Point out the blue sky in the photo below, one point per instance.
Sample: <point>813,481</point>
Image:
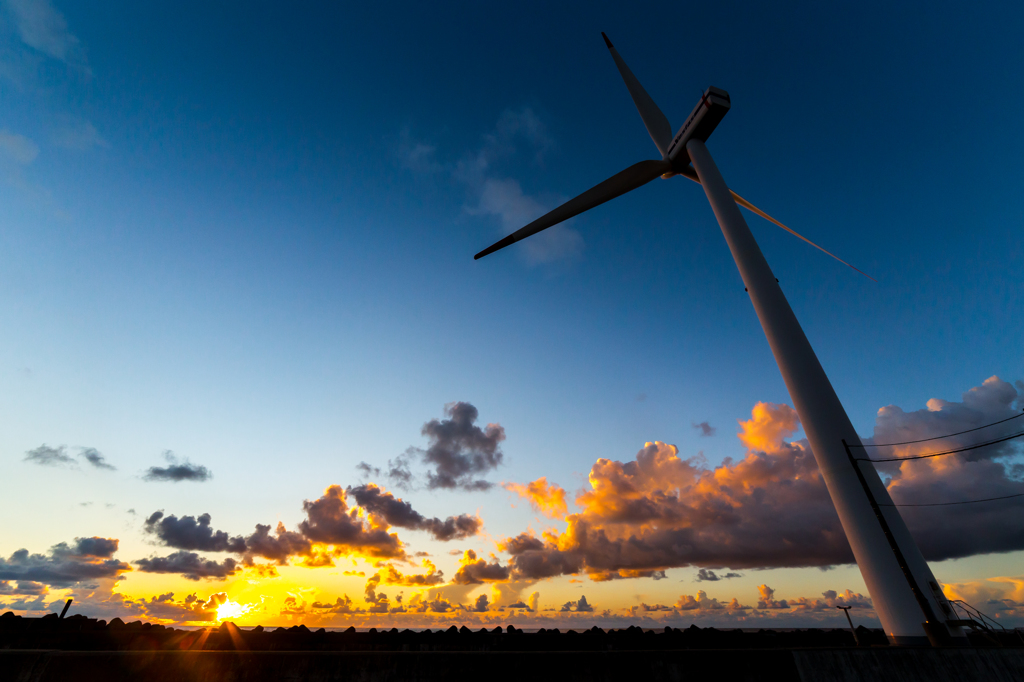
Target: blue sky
<point>244,233</point>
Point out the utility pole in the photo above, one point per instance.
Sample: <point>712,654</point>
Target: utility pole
<point>853,631</point>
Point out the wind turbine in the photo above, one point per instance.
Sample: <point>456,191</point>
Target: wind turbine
<point>906,595</point>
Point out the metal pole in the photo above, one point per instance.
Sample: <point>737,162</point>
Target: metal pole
<point>824,421</point>
<point>932,627</point>
<point>853,631</point>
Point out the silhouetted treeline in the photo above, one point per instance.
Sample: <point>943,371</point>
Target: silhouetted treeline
<point>78,633</point>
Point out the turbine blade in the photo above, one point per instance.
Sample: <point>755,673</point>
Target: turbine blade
<point>692,174</point>
<point>637,175</point>
<point>657,124</point>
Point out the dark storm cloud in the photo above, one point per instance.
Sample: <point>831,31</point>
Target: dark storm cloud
<point>190,532</point>
<point>706,430</point>
<point>177,471</point>
<point>47,456</point>
<point>399,513</point>
<point>459,450</point>
<point>95,458</point>
<point>189,565</point>
<point>64,565</point>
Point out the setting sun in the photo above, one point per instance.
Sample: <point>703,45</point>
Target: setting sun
<point>230,609</point>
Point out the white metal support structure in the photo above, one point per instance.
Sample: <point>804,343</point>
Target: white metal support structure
<point>906,595</point>
<point>826,424</point>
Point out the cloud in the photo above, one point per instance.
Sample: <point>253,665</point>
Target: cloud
<point>95,458</point>
<point>79,136</point>
<point>329,520</point>
<point>1001,597</point>
<point>42,27</point>
<point>102,548</point>
<point>47,456</point>
<point>397,471</point>
<point>23,588</point>
<point>504,198</point>
<point>481,604</point>
<point>492,193</point>
<point>191,608</point>
<point>706,430</point>
<point>399,513</point>
<point>581,606</point>
<point>63,566</point>
<point>771,508</point>
<point>332,528</point>
<point>831,600</point>
<point>17,148</point>
<point>177,471</point>
<point>188,532</point>
<point>702,602</point>
<point>548,499</point>
<point>278,547</point>
<point>707,575</point>
<point>944,532</point>
<point>459,450</point>
<point>457,453</point>
<point>343,605</point>
<point>190,565</point>
<point>474,571</point>
<point>389,575</point>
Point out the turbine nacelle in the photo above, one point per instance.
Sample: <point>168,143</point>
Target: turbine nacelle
<point>710,110</point>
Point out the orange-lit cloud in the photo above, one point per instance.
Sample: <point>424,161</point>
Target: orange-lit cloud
<point>548,499</point>
<point>475,571</point>
<point>771,508</point>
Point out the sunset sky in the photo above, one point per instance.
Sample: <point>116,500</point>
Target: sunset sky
<point>251,370</point>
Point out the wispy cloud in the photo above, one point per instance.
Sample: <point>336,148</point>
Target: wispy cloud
<point>78,136</point>
<point>42,27</point>
<point>95,458</point>
<point>17,149</point>
<point>51,457</point>
<point>492,194</point>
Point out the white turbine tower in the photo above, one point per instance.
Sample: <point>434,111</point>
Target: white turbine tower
<point>906,595</point>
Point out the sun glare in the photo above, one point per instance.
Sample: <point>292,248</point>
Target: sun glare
<point>230,609</point>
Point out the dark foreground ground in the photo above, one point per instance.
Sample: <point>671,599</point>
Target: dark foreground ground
<point>82,649</point>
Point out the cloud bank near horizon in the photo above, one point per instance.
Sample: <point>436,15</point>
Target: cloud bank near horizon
<point>637,518</point>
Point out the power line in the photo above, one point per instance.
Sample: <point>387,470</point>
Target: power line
<point>924,440</point>
<point>945,504</point>
<point>947,452</point>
